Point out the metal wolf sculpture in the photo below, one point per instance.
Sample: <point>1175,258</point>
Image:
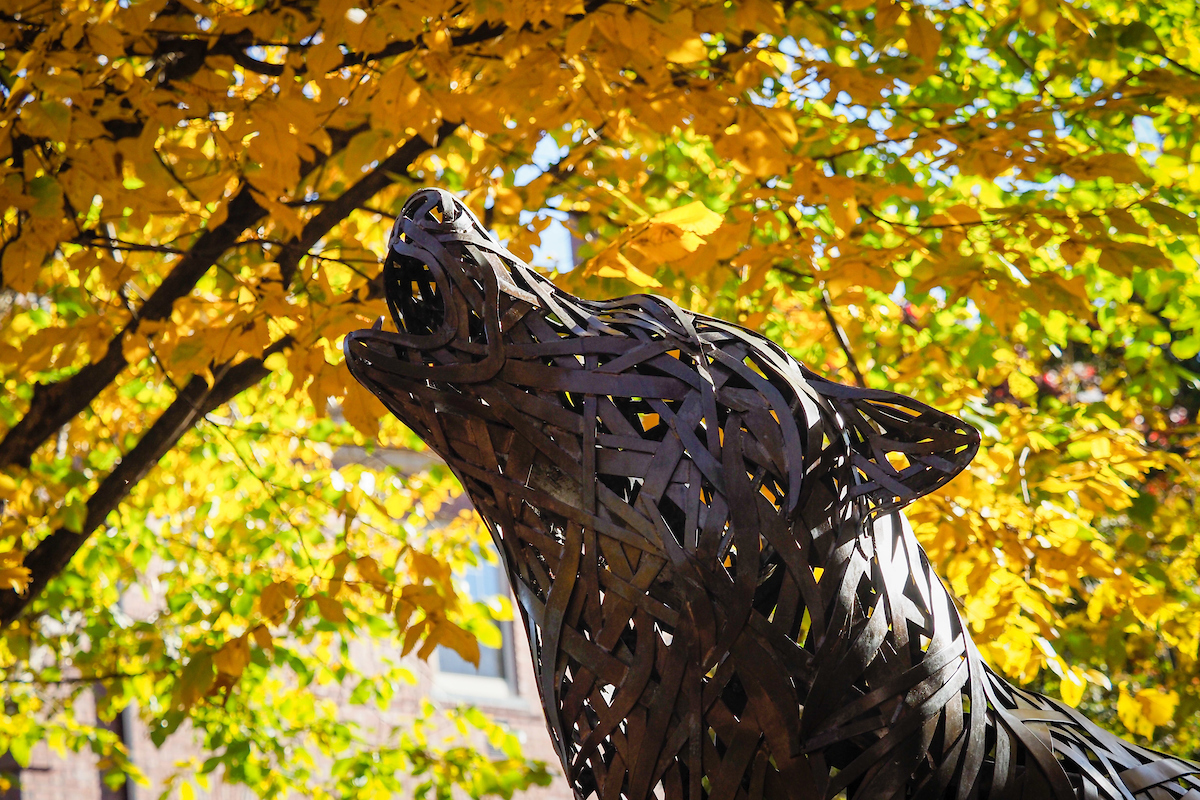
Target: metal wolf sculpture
<point>721,595</point>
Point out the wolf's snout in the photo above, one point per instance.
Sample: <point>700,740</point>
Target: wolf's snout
<point>447,283</point>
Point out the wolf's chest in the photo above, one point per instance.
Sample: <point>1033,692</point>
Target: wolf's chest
<point>663,618</point>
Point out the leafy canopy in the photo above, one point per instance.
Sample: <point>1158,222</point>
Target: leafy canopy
<point>989,206</point>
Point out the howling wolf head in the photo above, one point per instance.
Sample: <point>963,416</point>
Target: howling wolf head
<point>688,517</point>
<point>472,319</point>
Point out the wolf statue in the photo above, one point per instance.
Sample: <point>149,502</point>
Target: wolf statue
<point>722,598</point>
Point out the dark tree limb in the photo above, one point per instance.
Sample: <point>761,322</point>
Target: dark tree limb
<point>195,400</point>
<point>235,46</point>
<point>54,405</point>
<point>348,201</point>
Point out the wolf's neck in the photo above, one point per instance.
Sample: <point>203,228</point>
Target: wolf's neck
<point>892,656</point>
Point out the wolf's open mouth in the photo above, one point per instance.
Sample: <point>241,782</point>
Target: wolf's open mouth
<point>417,305</point>
<point>415,279</point>
<point>449,287</point>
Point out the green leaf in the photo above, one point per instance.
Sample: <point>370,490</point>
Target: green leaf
<point>1186,348</point>
<point>74,515</point>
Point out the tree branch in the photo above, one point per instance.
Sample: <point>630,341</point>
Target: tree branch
<point>357,195</point>
<point>823,298</point>
<point>235,46</point>
<point>55,404</point>
<point>842,340</point>
<point>196,399</point>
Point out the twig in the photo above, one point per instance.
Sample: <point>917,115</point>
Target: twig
<point>840,335</point>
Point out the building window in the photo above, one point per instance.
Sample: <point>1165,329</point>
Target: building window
<point>495,676</point>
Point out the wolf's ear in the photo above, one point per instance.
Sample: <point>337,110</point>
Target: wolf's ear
<point>900,449</point>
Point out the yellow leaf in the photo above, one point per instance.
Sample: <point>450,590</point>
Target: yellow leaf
<point>272,603</point>
<point>324,57</point>
<point>1158,706</point>
<point>1121,167</point>
<point>1021,386</point>
<point>398,504</point>
<point>665,244</point>
<point>13,574</point>
<point>507,202</point>
<point>924,39</point>
<point>843,205</point>
<point>776,61</point>
<point>694,217</point>
<point>362,410</point>
<point>368,569</point>
<point>233,656</point>
<point>687,52</point>
<point>1122,258</point>
<point>963,214</point>
<point>134,347</point>
<point>403,612</point>
<point>1132,713</point>
<point>276,362</point>
<point>450,635</point>
<point>196,678</point>
<point>263,637</point>
<point>21,263</point>
<point>1172,218</point>
<point>577,37</point>
<point>1072,686</point>
<point>340,561</point>
<point>47,119</point>
<point>106,38</point>
<point>412,636</point>
<point>362,149</point>
<point>427,567</point>
<point>887,14</point>
<point>1124,222</point>
<point>628,272</point>
<point>330,609</point>
<point>487,634</point>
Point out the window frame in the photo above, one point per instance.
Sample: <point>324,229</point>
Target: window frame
<point>484,689</point>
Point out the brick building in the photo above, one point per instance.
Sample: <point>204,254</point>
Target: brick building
<point>503,686</point>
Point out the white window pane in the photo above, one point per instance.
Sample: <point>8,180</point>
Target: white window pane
<point>482,583</point>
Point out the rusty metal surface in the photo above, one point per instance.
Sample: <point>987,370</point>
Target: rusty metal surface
<point>722,597</point>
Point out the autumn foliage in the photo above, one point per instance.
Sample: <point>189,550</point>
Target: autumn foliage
<point>989,206</point>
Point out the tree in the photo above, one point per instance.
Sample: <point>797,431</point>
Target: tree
<point>989,207</point>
